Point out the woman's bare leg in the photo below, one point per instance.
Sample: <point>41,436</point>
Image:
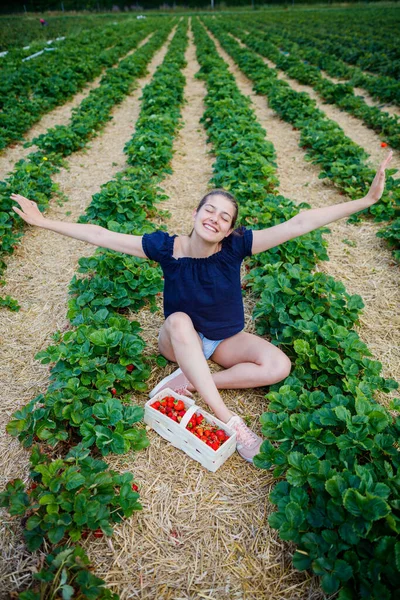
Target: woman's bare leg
<point>180,342</point>
<point>249,362</point>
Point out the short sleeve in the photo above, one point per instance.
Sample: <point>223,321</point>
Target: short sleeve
<point>241,242</point>
<point>156,245</point>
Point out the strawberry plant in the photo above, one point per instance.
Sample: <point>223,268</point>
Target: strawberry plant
<point>67,572</point>
<point>100,360</point>
<point>340,159</point>
<point>392,235</point>
<point>351,36</point>
<point>116,281</point>
<point>32,176</point>
<point>331,444</point>
<point>90,361</point>
<point>29,90</point>
<point>69,496</point>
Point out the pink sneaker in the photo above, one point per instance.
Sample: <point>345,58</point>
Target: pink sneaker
<point>248,443</point>
<point>176,381</point>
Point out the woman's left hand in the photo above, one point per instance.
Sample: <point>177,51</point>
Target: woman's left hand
<point>378,184</point>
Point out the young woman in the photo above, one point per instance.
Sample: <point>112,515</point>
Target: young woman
<point>202,297</point>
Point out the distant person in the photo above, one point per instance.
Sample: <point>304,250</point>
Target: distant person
<point>43,23</point>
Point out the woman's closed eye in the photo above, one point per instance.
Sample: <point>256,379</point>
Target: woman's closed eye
<point>209,210</point>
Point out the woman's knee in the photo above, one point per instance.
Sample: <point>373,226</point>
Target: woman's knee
<point>283,367</point>
<point>179,325</point>
<point>277,370</point>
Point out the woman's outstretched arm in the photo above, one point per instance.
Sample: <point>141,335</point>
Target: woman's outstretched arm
<point>308,220</point>
<point>94,234</point>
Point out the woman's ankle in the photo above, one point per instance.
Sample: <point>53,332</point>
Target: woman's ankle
<point>225,416</point>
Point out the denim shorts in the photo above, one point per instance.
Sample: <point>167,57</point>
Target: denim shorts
<point>209,346</point>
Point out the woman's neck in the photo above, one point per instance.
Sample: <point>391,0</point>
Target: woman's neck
<point>196,247</point>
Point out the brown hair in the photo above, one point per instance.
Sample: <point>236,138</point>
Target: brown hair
<point>225,194</point>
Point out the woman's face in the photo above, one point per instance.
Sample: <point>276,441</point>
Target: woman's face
<point>213,221</point>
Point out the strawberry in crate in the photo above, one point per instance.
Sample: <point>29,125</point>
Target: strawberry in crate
<point>170,406</point>
<point>209,434</point>
<point>175,409</point>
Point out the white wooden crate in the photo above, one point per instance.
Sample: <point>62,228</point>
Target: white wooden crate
<point>185,440</point>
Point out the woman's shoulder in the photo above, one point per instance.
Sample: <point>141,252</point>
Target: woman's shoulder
<point>239,242</point>
<point>158,245</point>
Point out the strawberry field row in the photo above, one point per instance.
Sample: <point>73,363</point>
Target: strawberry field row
<point>19,30</point>
<point>341,159</point>
<point>333,93</point>
<point>36,87</point>
<point>372,49</point>
<point>32,176</point>
<point>381,87</point>
<point>332,446</point>
<point>86,410</point>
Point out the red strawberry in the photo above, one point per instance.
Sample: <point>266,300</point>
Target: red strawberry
<point>113,391</point>
<point>130,368</point>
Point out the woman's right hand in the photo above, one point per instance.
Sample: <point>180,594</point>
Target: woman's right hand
<point>30,212</point>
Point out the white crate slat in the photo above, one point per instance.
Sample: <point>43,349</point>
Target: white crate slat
<point>184,439</point>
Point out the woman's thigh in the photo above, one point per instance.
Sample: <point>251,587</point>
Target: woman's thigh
<point>247,347</point>
<point>164,341</point>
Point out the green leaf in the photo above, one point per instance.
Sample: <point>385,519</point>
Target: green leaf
<point>342,570</point>
<point>108,338</point>
<point>33,522</point>
<point>294,514</point>
<point>369,507</point>
<point>67,592</point>
<point>336,487</point>
<point>29,595</point>
<point>47,499</point>
<point>301,560</point>
<point>329,583</point>
<point>56,534</point>
<point>342,413</point>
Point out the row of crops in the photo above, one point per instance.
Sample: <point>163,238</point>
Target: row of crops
<point>326,145</point>
<point>26,93</point>
<point>333,442</point>
<point>331,445</point>
<point>32,175</point>
<point>16,32</point>
<point>99,363</point>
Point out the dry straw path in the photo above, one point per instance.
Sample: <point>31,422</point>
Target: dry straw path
<point>38,275</point>
<point>59,116</point>
<point>200,534</point>
<point>365,266</point>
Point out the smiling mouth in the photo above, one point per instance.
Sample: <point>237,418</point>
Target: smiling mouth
<point>209,227</point>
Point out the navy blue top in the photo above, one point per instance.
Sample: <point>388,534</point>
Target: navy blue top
<point>207,289</point>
